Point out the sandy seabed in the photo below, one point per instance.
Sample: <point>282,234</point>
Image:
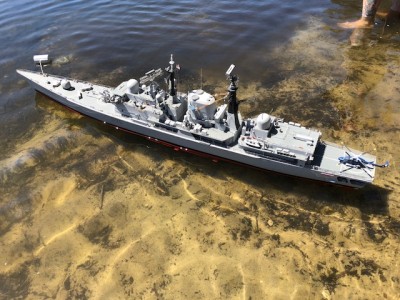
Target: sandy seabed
<point>90,213</point>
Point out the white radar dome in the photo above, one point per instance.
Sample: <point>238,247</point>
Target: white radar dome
<point>132,86</point>
<point>263,121</point>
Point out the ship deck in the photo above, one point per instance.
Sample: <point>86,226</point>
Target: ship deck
<point>326,158</point>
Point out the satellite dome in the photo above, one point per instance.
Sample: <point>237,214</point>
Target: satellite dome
<point>132,86</point>
<point>263,121</point>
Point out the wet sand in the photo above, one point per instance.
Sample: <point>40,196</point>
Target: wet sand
<point>92,213</point>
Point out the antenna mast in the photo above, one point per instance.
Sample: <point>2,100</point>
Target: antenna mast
<point>171,71</point>
<point>233,105</point>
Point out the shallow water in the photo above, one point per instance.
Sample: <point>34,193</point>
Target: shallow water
<point>89,212</point>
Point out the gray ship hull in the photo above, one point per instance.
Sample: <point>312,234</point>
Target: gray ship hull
<point>185,142</point>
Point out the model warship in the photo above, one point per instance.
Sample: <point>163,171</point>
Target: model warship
<point>194,123</point>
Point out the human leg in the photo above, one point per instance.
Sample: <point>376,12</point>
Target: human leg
<point>369,9</point>
<point>367,16</point>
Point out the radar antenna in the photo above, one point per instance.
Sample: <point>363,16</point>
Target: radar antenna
<point>150,76</point>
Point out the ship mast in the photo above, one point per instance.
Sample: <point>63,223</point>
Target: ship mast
<point>233,105</point>
<point>171,77</point>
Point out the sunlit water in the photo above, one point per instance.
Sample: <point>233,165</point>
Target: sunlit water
<point>86,211</point>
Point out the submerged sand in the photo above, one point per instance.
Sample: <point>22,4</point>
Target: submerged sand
<point>88,212</point>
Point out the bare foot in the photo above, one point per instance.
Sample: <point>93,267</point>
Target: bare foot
<point>361,23</point>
